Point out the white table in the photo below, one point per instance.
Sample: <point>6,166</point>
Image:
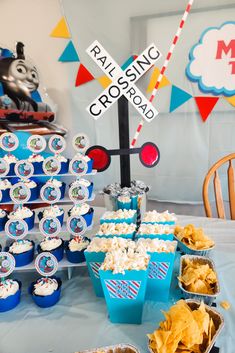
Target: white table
<point>79,321</point>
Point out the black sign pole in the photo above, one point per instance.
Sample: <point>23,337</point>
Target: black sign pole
<point>124,143</point>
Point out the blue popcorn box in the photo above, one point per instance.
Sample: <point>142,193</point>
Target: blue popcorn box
<point>125,236</point>
<point>5,195</point>
<point>3,221</point>
<point>169,236</point>
<point>24,258</point>
<point>169,223</point>
<point>47,300</point>
<point>124,295</point>
<point>124,205</point>
<point>58,252</point>
<point>94,260</point>
<point>159,276</point>
<point>134,202</point>
<point>12,301</point>
<point>121,220</point>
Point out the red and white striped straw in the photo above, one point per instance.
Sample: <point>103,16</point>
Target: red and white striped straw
<point>163,69</point>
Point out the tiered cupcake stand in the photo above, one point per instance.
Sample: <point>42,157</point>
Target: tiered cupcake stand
<point>78,192</point>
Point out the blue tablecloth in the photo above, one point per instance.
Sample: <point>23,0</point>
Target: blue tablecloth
<point>79,321</point>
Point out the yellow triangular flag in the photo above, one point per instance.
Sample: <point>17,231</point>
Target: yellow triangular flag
<point>104,81</point>
<point>231,100</point>
<point>61,30</point>
<point>164,82</point>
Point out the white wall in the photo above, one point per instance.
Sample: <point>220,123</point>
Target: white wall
<point>109,22</point>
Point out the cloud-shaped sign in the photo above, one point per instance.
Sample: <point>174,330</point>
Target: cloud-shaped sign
<point>212,60</point>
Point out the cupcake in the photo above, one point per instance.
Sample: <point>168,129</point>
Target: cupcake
<point>37,161</point>
<point>10,291</point>
<point>59,184</point>
<point>11,160</point>
<point>23,213</point>
<point>64,163</point>
<point>5,186</point>
<point>3,219</point>
<point>32,185</point>
<point>46,291</point>
<point>53,245</point>
<point>75,249</point>
<point>54,212</point>
<point>83,210</point>
<point>86,183</point>
<point>23,251</point>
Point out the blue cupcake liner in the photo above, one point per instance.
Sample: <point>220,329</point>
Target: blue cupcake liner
<point>74,257</point>
<point>48,300</point>
<point>64,167</point>
<point>155,236</point>
<point>90,166</point>
<point>5,195</point>
<point>62,190</point>
<point>34,193</point>
<point>23,259</point>
<point>125,236</point>
<point>169,223</point>
<point>12,301</point>
<point>29,221</point>
<point>90,190</point>
<point>88,216</point>
<point>58,252</point>
<point>134,202</point>
<point>3,221</point>
<point>38,167</point>
<point>11,169</point>
<point>60,218</point>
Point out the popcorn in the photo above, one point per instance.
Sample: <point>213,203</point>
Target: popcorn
<point>154,229</point>
<point>154,216</point>
<point>108,244</point>
<point>155,245</point>
<point>124,199</point>
<point>121,260</point>
<point>119,214</point>
<point>116,228</point>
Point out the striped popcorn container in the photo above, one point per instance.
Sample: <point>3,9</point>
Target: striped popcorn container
<point>94,260</point>
<point>124,295</point>
<point>159,276</point>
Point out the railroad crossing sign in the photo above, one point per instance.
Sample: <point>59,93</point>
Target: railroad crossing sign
<point>123,82</point>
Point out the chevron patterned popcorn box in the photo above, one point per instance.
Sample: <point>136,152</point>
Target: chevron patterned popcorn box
<point>159,276</point>
<point>124,295</point>
<point>94,261</point>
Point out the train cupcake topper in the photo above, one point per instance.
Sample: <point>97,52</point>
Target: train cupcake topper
<point>49,226</point>
<point>50,193</point>
<point>78,165</point>
<point>57,144</point>
<point>36,143</point>
<point>9,141</point>
<point>81,142</point>
<point>16,229</point>
<point>20,193</point>
<point>7,264</point>
<point>51,166</point>
<point>76,225</point>
<point>46,264</point>
<point>24,169</point>
<point>78,193</point>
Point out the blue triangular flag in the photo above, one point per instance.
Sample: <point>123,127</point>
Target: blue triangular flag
<point>178,97</point>
<point>69,54</point>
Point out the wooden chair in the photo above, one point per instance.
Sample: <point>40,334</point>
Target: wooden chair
<point>217,188</point>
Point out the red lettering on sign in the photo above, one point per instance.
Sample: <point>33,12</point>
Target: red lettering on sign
<point>222,47</point>
<point>233,67</point>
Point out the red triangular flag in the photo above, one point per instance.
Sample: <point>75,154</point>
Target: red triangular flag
<point>83,76</point>
<point>205,105</point>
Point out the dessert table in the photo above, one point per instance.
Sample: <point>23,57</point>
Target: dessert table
<point>79,321</point>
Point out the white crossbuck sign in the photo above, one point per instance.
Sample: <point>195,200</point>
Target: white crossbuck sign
<point>123,81</point>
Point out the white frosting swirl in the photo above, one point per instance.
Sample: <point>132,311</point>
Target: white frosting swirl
<point>124,198</point>
<point>80,210</point>
<point>10,158</point>
<point>45,286</point>
<point>20,246</point>
<point>20,213</point>
<point>49,243</point>
<point>83,182</point>
<point>61,158</point>
<point>54,182</point>
<point>108,244</point>
<point>78,244</point>
<point>8,287</point>
<point>5,184</point>
<point>36,158</point>
<point>53,211</point>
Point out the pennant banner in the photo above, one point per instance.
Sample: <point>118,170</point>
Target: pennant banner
<point>61,30</point>
<point>164,81</point>
<point>178,97</point>
<point>104,81</point>
<point>231,100</point>
<point>83,76</point>
<point>69,54</point>
<point>205,105</point>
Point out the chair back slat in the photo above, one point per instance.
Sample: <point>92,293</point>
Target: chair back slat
<point>218,196</point>
<point>231,191</point>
